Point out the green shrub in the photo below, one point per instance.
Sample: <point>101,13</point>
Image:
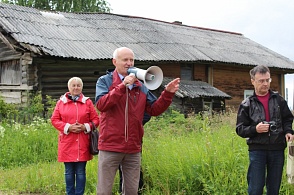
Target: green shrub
<point>7,109</point>
<point>35,105</point>
<point>50,105</point>
<point>35,108</point>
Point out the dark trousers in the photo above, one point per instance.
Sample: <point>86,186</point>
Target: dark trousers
<point>265,169</point>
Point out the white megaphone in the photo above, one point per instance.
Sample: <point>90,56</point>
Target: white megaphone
<point>152,77</point>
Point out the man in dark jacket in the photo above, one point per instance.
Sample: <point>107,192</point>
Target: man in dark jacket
<point>265,120</point>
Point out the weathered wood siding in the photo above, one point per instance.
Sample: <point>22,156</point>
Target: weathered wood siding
<point>201,72</point>
<point>7,51</point>
<point>233,80</point>
<point>50,76</point>
<point>191,105</point>
<point>230,79</point>
<point>15,81</point>
<point>170,70</point>
<point>53,75</point>
<point>10,73</point>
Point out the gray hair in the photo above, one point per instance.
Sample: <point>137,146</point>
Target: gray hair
<point>116,51</point>
<point>78,79</point>
<point>262,69</point>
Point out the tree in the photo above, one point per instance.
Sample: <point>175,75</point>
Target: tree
<point>64,5</point>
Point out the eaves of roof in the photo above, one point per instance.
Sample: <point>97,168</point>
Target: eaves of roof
<point>196,89</point>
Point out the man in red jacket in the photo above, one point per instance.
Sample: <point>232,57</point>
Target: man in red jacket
<point>122,101</point>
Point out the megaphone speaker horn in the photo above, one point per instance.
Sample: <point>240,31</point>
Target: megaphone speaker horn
<point>152,77</point>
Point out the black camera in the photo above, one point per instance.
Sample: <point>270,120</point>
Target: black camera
<point>272,125</point>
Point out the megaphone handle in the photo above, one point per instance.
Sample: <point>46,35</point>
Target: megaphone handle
<point>131,74</point>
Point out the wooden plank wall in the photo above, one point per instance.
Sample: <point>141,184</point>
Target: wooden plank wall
<point>50,75</point>
<point>18,92</point>
<point>53,75</point>
<point>233,80</point>
<point>7,51</point>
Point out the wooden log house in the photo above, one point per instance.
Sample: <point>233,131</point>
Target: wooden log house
<point>40,51</point>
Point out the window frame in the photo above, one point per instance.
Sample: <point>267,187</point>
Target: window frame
<point>10,73</point>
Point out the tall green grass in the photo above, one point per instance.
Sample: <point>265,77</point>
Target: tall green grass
<point>193,156</point>
<point>27,144</point>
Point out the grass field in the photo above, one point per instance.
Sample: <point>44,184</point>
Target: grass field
<point>192,156</point>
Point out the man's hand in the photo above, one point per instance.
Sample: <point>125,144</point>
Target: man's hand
<point>173,86</point>
<point>262,128</point>
<point>129,80</point>
<point>289,137</point>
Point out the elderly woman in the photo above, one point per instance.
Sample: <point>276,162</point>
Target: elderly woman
<point>72,117</point>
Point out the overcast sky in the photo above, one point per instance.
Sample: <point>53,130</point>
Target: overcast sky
<point>267,22</point>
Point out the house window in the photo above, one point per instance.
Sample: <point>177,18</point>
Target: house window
<point>186,72</point>
<point>10,73</point>
<point>247,93</point>
<point>207,106</point>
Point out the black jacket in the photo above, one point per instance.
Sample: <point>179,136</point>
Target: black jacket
<point>251,112</point>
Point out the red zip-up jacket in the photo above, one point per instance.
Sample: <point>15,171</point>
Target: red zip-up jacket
<point>74,147</point>
<point>118,131</point>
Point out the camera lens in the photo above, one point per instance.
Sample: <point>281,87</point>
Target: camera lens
<point>273,128</point>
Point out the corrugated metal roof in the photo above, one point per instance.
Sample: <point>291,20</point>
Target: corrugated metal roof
<point>93,36</point>
<point>196,89</point>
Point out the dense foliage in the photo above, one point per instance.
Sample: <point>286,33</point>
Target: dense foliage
<point>64,5</point>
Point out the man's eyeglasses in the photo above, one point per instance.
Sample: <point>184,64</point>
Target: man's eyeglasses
<point>261,81</point>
